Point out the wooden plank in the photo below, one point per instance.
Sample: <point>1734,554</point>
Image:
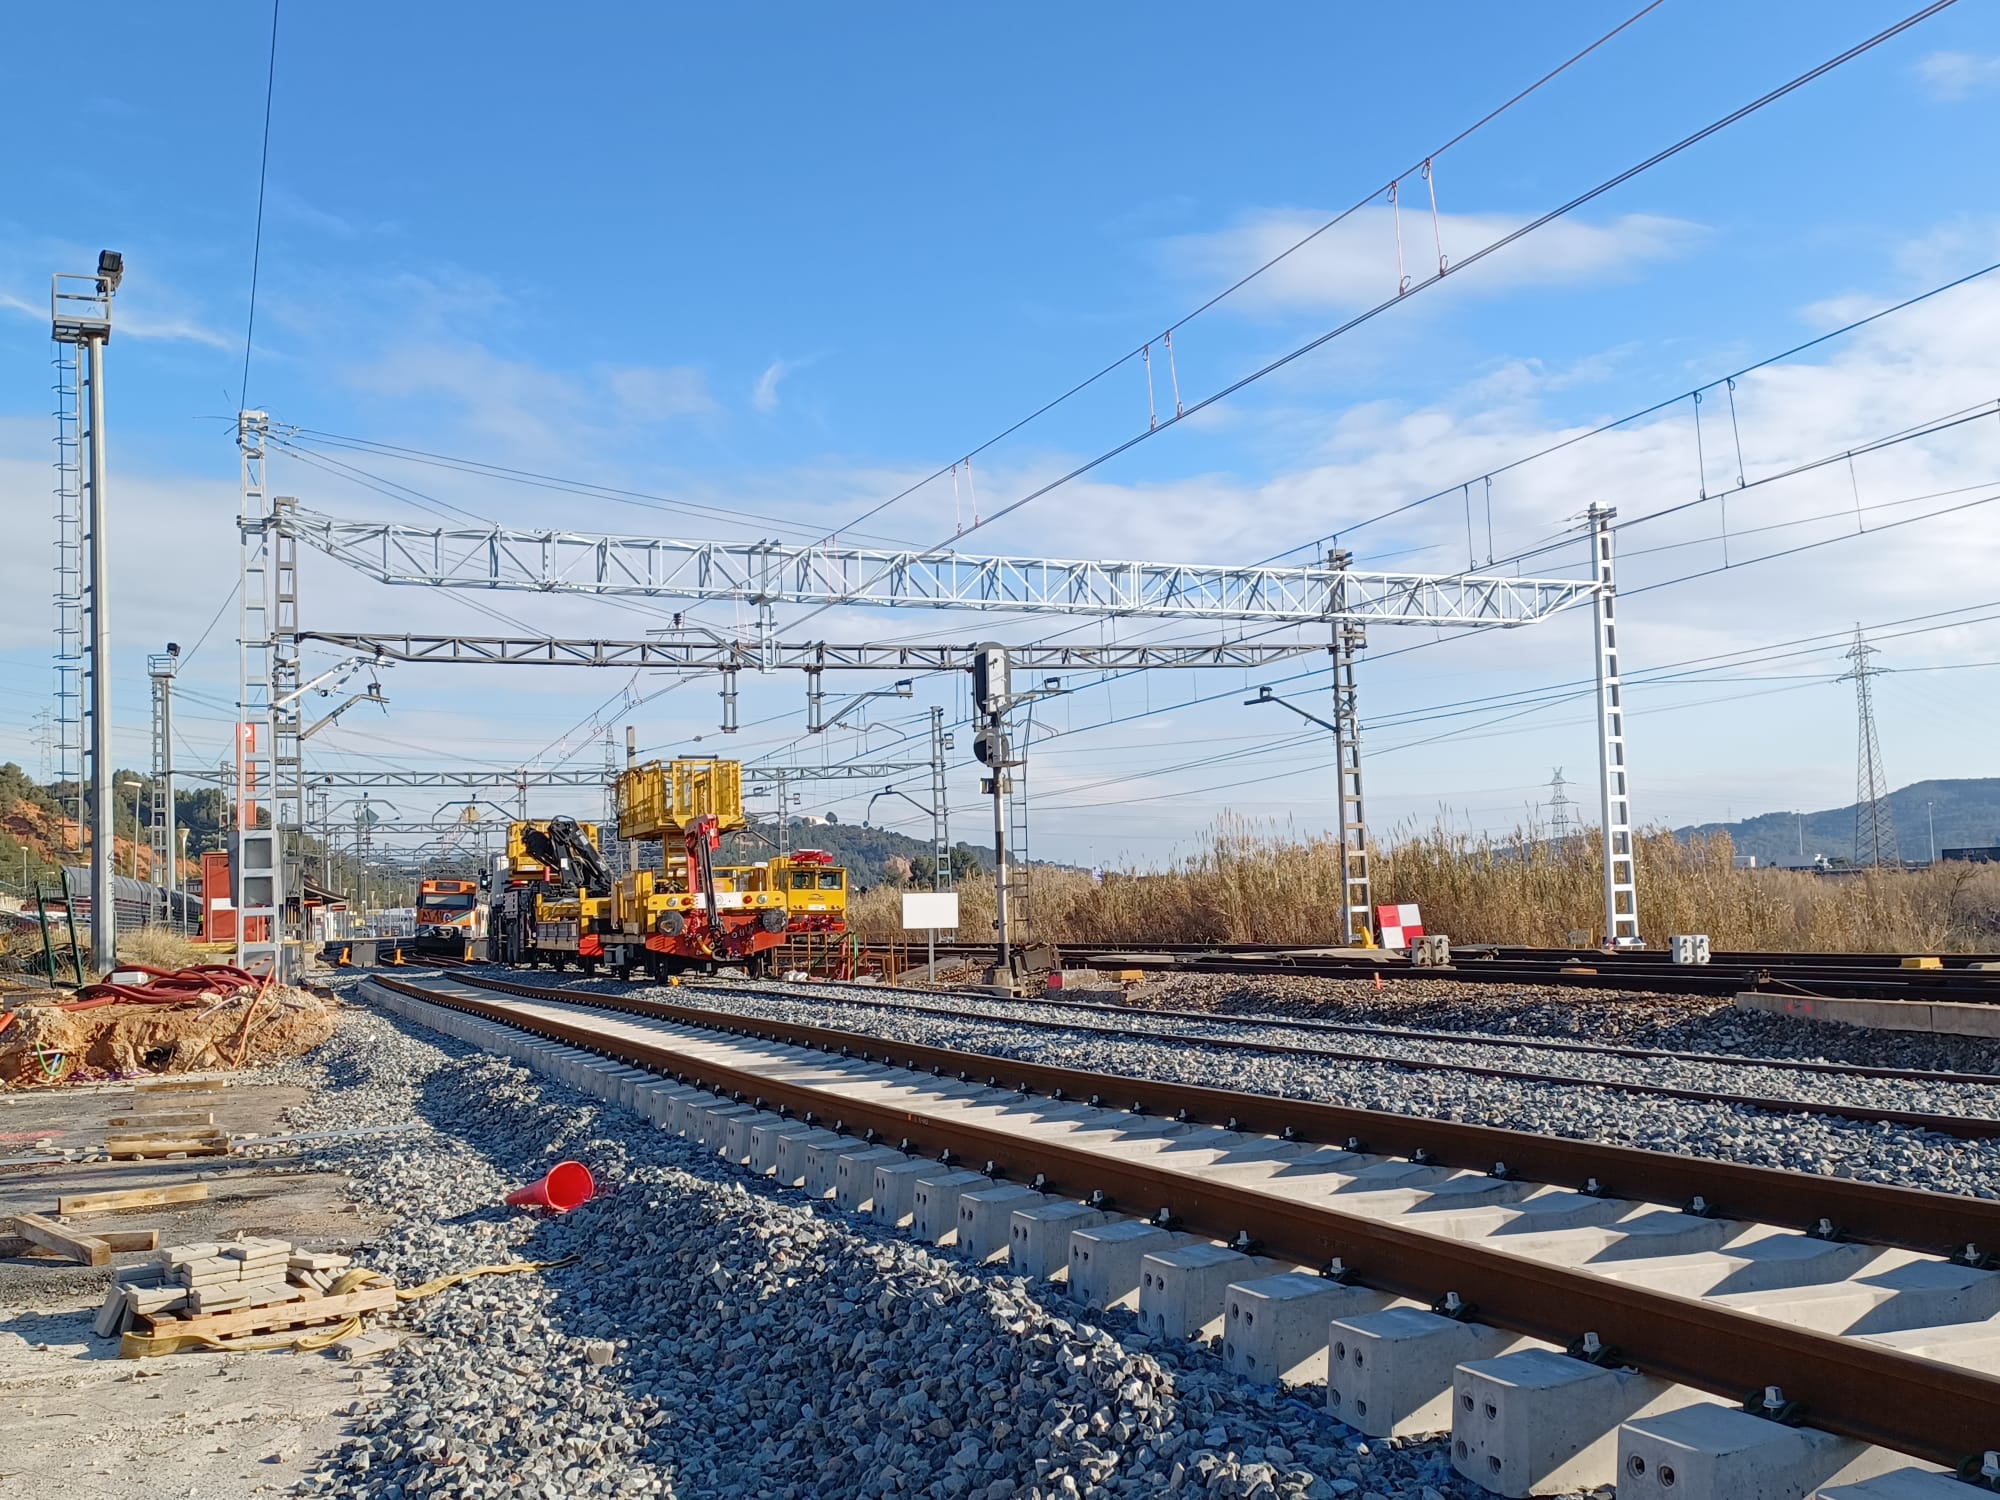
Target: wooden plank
<point>206,1084</point>
<point>216,1144</point>
<point>164,1133</point>
<point>12,1245</point>
<point>84,1249</point>
<point>284,1315</point>
<point>152,1197</point>
<point>162,1119</point>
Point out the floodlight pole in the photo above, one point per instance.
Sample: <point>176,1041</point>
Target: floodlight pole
<point>83,317</point>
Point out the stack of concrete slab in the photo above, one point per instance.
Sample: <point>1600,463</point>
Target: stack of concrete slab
<point>211,1276</point>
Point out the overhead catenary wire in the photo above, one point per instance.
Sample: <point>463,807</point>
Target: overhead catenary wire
<point>1492,247</point>
<point>263,172</point>
<point>1138,351</point>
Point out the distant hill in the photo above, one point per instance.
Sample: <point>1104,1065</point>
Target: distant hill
<point>871,856</point>
<point>1966,812</point>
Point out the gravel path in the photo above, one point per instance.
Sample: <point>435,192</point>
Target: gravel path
<point>1867,1151</point>
<point>719,1338</point>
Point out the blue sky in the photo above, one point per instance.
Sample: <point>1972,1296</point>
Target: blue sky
<point>790,259</point>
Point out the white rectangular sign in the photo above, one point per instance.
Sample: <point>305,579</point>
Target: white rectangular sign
<point>924,910</point>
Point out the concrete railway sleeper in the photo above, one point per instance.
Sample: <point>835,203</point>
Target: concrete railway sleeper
<point>1563,1337</point>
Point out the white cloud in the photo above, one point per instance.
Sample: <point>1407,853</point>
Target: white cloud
<point>764,394</point>
<point>527,406</point>
<point>148,320</point>
<point>1952,76</point>
<point>1354,264</point>
<point>660,394</point>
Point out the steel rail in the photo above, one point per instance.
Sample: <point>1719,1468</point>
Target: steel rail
<point>1561,968</point>
<point>1710,979</point>
<point>1864,1391</point>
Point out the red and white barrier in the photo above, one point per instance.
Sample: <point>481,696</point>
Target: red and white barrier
<point>1400,926</point>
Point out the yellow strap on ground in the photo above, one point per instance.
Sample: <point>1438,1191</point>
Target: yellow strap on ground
<point>147,1345</point>
<point>432,1288</point>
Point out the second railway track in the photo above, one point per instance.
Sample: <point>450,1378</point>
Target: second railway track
<point>1862,1311</point>
<point>1978,1118</point>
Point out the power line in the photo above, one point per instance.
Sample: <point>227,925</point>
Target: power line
<point>1136,352</point>
<point>1656,407</point>
<point>263,168</point>
<point>558,483</point>
<point>1403,294</point>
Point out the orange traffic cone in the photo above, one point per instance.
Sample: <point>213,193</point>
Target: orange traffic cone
<point>566,1185</point>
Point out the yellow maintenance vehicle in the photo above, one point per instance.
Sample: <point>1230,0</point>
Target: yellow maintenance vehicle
<point>555,903</point>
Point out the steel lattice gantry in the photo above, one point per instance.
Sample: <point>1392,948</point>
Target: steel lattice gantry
<point>587,776</point>
<point>769,573</point>
<point>766,574</point>
<point>704,653</point>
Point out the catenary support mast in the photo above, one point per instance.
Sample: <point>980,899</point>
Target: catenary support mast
<point>1621,892</point>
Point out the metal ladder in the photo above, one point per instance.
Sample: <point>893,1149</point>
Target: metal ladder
<point>69,595</point>
<point>1020,882</point>
<point>1621,889</point>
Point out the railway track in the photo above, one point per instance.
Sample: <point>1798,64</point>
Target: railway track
<point>1462,1261</point>
<point>1063,1016</point>
<point>1866,976</point>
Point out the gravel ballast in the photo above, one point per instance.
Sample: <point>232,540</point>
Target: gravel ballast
<point>718,1337</point>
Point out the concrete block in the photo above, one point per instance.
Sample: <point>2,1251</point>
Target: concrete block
<point>934,1202</point>
<point>1971,1346</point>
<point>986,1217</point>
<point>1919,1293</point>
<point>1899,1484</point>
<point>1711,1452</point>
<point>892,1202</point>
<point>648,1102</point>
<point>1452,1194</point>
<point>1950,1018</point>
<point>626,1083</point>
<point>1761,1265</point>
<point>1388,1174</point>
<point>1181,1290</point>
<point>1646,1234</point>
<point>854,1176</point>
<point>734,1146</point>
<point>1104,1261</point>
<point>1038,1236</point>
<point>669,1102</point>
<point>1389,1373</point>
<point>1274,1328</point>
<point>1541,1213</point>
<point>822,1160</point>
<point>1876,1015</point>
<point>1536,1422</point>
<point>765,1139</point>
<point>792,1149</point>
<point>711,1123</point>
<point>1253,1160</point>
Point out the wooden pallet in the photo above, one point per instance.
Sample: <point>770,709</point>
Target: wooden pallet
<point>274,1317</point>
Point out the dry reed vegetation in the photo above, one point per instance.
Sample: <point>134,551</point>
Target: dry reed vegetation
<point>1246,885</point>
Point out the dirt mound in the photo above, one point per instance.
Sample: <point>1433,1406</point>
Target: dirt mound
<point>46,1044</point>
